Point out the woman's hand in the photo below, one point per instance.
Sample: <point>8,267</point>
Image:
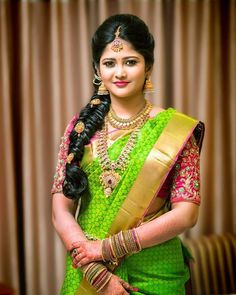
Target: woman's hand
<point>117,286</point>
<point>85,252</point>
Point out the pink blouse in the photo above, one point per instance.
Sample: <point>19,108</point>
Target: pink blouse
<point>62,156</point>
<point>182,183</point>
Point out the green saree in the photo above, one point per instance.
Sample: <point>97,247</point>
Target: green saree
<point>157,270</point>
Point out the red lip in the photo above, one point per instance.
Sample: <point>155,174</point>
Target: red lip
<point>121,83</point>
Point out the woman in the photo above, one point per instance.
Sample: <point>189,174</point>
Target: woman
<point>132,169</point>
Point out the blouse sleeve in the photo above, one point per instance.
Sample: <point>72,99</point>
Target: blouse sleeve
<point>186,179</point>
<point>62,155</point>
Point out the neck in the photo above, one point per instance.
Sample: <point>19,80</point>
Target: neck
<point>126,107</point>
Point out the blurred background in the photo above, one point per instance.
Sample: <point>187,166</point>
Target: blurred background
<point>46,77</point>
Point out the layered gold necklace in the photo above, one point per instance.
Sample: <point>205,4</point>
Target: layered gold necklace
<point>130,123</point>
<point>110,177</point>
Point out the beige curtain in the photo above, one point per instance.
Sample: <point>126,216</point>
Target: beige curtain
<point>45,78</point>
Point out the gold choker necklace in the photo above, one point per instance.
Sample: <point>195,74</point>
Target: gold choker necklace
<point>110,177</point>
<point>130,123</point>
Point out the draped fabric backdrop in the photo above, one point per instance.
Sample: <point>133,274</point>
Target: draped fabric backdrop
<point>46,77</point>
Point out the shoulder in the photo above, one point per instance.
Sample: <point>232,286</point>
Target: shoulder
<point>156,110</point>
<point>71,124</point>
<point>181,121</point>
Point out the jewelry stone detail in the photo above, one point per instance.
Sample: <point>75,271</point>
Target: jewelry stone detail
<point>117,44</point>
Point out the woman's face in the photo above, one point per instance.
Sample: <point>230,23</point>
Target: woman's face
<point>123,73</point>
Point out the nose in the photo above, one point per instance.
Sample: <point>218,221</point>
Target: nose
<point>120,72</point>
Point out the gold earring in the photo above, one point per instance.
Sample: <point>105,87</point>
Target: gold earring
<point>148,86</point>
<point>97,80</point>
<point>102,89</point>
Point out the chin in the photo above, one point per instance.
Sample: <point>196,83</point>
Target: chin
<point>123,93</point>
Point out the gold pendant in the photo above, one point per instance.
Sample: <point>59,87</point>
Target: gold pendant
<point>109,180</point>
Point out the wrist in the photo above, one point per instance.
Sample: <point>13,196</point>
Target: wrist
<point>97,275</point>
<point>122,244</point>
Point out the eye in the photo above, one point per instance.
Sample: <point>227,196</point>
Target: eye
<point>131,62</point>
<point>109,64</point>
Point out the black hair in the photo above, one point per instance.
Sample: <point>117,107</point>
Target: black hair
<point>134,31</point>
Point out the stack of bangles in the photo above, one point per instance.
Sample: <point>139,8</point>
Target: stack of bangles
<point>113,248</point>
<point>97,275</point>
<point>119,245</point>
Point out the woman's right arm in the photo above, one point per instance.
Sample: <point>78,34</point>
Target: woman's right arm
<point>63,208</point>
<point>63,212</point>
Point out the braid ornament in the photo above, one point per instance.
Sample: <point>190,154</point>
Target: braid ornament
<point>91,119</point>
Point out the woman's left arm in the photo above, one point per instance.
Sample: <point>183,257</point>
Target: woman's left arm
<point>182,216</point>
<point>184,198</point>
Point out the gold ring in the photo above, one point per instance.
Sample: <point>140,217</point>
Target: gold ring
<point>75,252</point>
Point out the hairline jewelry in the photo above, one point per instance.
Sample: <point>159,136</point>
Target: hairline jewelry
<point>117,44</point>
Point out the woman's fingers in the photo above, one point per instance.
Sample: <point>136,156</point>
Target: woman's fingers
<point>115,286</point>
<point>79,263</point>
<point>127,286</point>
<point>75,251</point>
<point>80,258</point>
<point>78,254</point>
<point>86,251</point>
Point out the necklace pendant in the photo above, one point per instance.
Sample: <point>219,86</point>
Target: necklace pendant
<point>109,180</point>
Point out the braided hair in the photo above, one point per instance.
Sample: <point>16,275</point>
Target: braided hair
<point>76,183</point>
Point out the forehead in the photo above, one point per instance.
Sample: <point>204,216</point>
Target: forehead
<point>127,51</point>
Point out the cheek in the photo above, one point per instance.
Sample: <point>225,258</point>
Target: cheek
<point>106,74</point>
<point>141,77</point>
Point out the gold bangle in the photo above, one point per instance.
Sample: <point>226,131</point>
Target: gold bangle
<point>105,282</point>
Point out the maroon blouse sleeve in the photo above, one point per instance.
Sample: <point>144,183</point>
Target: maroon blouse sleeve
<point>186,175</point>
<point>62,155</point>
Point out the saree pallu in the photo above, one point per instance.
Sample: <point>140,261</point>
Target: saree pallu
<point>155,270</point>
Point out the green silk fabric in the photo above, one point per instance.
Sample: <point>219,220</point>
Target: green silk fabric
<point>156,270</point>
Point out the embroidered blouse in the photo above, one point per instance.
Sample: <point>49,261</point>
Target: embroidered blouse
<point>62,156</point>
<point>182,183</point>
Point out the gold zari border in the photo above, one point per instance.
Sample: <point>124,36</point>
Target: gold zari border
<point>154,171</point>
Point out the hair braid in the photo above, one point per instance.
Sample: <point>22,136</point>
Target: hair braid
<point>76,183</point>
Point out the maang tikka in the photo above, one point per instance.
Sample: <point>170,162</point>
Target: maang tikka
<point>117,44</point>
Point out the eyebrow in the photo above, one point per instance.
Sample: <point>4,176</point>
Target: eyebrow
<point>124,58</point>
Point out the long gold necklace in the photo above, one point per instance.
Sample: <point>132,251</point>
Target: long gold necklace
<point>110,177</point>
<point>130,123</point>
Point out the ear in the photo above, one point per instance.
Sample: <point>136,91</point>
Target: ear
<point>148,71</point>
<point>97,71</point>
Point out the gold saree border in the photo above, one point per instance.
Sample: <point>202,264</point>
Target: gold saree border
<point>152,175</point>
